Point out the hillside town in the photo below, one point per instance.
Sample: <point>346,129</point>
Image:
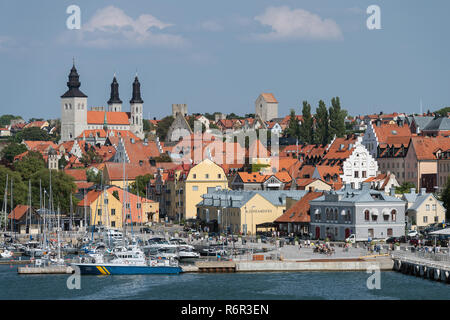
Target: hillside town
<point>328,175</point>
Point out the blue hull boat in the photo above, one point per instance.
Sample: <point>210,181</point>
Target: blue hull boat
<point>111,269</point>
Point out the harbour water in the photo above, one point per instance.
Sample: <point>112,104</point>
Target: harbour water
<point>221,286</point>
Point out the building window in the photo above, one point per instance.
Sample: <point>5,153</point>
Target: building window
<point>425,219</point>
<point>374,217</point>
<point>434,207</point>
<point>394,215</point>
<point>99,212</point>
<point>389,232</point>
<point>113,224</point>
<point>364,174</point>
<point>194,188</point>
<point>113,212</point>
<point>207,176</point>
<point>436,219</point>
<point>138,205</point>
<point>428,207</point>
<point>356,174</point>
<point>367,215</point>
<point>194,176</point>
<point>219,176</point>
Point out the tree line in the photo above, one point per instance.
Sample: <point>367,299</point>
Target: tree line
<point>319,128</point>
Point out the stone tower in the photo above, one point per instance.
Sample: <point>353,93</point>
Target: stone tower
<point>179,108</point>
<point>266,107</point>
<point>136,110</point>
<point>73,109</point>
<point>114,102</point>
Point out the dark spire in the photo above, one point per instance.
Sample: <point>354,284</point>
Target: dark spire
<point>136,98</point>
<point>73,85</point>
<point>114,92</point>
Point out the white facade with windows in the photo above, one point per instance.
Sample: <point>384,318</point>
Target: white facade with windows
<point>359,166</point>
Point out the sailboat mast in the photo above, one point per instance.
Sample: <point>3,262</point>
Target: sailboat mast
<point>12,202</point>
<point>59,247</point>
<point>5,204</point>
<point>28,217</point>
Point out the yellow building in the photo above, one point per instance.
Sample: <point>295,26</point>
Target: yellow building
<point>106,208</point>
<point>241,211</point>
<point>186,185</point>
<point>423,208</point>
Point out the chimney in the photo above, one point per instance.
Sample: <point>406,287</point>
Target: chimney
<point>412,190</point>
<point>378,122</point>
<point>392,192</point>
<point>423,191</point>
<point>400,122</point>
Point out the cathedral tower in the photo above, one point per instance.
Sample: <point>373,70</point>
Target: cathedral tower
<point>114,102</point>
<point>136,110</point>
<point>73,109</point>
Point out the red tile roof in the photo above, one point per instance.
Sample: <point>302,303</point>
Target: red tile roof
<point>18,212</point>
<point>269,97</point>
<point>79,175</point>
<point>112,118</point>
<point>298,213</point>
<point>426,147</point>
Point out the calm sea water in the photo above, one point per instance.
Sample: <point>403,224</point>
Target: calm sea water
<point>233,286</point>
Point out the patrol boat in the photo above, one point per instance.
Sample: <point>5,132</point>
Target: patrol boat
<point>126,261</point>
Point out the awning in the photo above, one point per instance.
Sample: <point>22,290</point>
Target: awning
<point>343,212</point>
<point>374,212</point>
<point>317,211</point>
<point>442,231</point>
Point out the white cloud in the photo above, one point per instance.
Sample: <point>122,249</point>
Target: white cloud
<point>296,24</point>
<point>111,26</point>
<point>212,25</point>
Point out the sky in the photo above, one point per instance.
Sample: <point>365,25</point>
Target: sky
<point>220,55</point>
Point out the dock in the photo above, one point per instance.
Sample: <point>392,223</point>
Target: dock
<point>428,266</point>
<point>13,261</point>
<point>45,270</point>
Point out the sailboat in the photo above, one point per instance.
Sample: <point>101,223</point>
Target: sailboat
<point>127,259</point>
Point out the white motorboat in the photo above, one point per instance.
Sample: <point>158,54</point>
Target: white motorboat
<point>187,253</point>
<point>5,254</point>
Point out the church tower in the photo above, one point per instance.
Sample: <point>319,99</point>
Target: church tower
<point>114,103</point>
<point>73,109</point>
<point>136,108</point>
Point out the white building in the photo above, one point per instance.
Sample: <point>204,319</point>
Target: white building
<point>359,166</point>
<point>75,118</point>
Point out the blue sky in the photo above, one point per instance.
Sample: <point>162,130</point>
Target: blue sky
<point>219,55</point>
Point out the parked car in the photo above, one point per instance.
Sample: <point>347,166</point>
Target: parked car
<point>414,241</point>
<point>392,240</point>
<point>147,230</point>
<point>413,233</point>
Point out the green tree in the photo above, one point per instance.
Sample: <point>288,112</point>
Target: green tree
<point>32,134</point>
<point>90,157</point>
<point>293,128</point>
<point>322,132</point>
<point>63,186</point>
<point>163,127</point>
<point>405,187</point>
<point>307,127</point>
<point>443,112</point>
<point>11,150</point>
<point>445,198</point>
<point>139,186</point>
<point>30,164</point>
<point>5,119</point>
<point>91,176</point>
<point>337,118</point>
<point>20,189</point>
